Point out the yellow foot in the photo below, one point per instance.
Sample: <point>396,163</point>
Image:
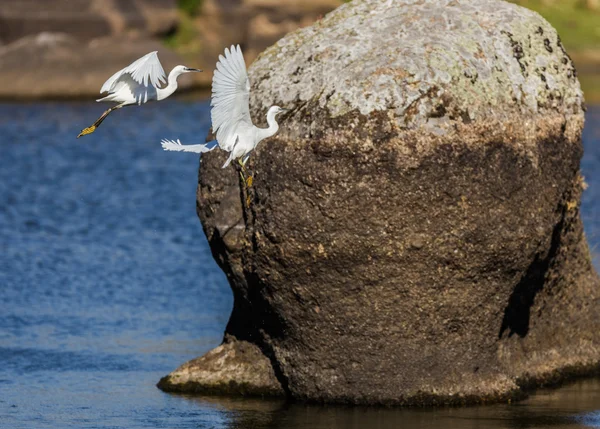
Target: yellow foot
<point>248,201</point>
<point>249,181</point>
<point>86,131</point>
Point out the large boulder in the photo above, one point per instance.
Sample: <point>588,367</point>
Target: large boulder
<point>413,232</point>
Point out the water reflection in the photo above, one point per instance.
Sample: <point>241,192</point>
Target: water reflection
<point>572,406</point>
<point>591,420</point>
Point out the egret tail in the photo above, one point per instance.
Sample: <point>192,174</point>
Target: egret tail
<point>178,147</point>
<point>228,160</point>
<point>92,128</point>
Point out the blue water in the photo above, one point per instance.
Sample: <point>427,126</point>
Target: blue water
<point>107,284</point>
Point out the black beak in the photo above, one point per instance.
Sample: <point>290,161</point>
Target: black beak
<point>285,110</point>
<point>194,70</point>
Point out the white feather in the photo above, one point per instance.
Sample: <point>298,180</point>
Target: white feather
<point>138,83</point>
<point>230,97</point>
<point>176,146</point>
<point>145,70</point>
<point>230,111</point>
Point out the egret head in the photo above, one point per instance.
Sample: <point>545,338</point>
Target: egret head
<point>275,110</point>
<point>183,69</point>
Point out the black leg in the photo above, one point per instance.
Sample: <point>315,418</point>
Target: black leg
<point>91,129</point>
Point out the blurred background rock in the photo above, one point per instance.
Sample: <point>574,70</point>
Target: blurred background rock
<point>207,26</point>
<point>68,48</point>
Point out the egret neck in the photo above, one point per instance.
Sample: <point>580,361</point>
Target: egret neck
<point>263,133</point>
<point>162,93</point>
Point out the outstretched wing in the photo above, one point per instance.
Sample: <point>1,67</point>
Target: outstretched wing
<point>230,97</point>
<point>178,147</point>
<point>144,71</point>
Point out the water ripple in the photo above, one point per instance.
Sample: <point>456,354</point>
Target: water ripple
<point>108,284</point>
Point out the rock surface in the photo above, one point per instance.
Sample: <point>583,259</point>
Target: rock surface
<point>233,368</point>
<point>413,234</point>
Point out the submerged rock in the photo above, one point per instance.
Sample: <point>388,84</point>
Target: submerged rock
<point>413,234</point>
<point>233,368</point>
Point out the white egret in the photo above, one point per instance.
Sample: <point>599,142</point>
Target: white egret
<point>230,113</point>
<point>138,83</point>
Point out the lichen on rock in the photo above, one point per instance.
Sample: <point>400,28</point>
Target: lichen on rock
<point>421,60</point>
<point>413,233</point>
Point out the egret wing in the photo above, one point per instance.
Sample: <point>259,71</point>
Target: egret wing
<point>230,97</point>
<point>144,71</point>
<point>127,89</point>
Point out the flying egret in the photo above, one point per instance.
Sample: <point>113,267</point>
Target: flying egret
<point>138,83</point>
<point>230,113</point>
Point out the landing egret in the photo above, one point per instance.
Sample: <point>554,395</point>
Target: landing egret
<point>230,113</point>
<point>138,83</point>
